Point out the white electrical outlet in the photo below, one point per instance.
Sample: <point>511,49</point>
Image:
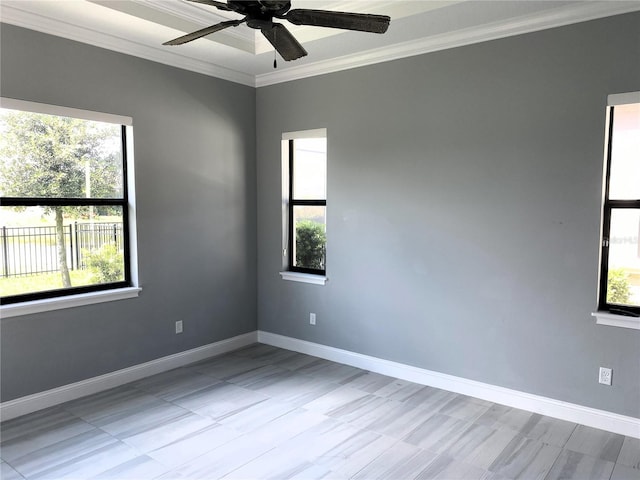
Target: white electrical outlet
<point>605,376</point>
<point>178,326</point>
<point>312,318</point>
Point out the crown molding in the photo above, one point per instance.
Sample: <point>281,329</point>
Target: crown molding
<point>579,12</point>
<point>202,16</point>
<point>570,14</point>
<point>33,21</point>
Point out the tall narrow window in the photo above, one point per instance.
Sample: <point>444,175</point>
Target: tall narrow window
<point>64,217</point>
<point>620,257</point>
<point>307,206</point>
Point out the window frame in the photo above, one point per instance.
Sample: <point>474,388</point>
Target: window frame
<point>608,206</point>
<point>39,301</point>
<point>292,272</point>
<point>293,202</point>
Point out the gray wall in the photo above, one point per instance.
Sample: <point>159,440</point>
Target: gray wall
<point>463,211</point>
<point>463,218</point>
<point>195,180</point>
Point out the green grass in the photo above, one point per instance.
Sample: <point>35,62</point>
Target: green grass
<point>44,281</point>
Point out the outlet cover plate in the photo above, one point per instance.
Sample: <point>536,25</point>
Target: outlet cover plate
<point>605,376</point>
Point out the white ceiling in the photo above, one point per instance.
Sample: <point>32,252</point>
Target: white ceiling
<point>241,54</point>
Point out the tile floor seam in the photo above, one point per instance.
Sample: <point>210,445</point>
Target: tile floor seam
<point>546,477</point>
<point>13,467</point>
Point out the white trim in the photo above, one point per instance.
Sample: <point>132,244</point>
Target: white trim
<point>623,98</point>
<point>612,320</point>
<point>286,138</point>
<point>78,300</point>
<point>133,218</point>
<point>70,301</point>
<point>315,133</point>
<point>304,277</point>
<point>197,14</point>
<point>22,18</point>
<point>574,13</point>
<point>607,318</point>
<point>35,107</point>
<point>49,398</point>
<point>592,417</point>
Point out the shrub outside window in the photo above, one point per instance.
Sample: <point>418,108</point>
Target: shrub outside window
<point>620,256</point>
<point>64,194</point>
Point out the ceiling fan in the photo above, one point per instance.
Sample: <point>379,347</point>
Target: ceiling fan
<point>259,14</point>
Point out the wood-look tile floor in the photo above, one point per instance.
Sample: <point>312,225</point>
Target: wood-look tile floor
<point>267,413</point>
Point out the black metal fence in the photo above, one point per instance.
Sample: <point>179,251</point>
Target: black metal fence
<point>31,250</point>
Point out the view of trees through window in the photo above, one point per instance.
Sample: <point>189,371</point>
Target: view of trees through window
<point>63,203</point>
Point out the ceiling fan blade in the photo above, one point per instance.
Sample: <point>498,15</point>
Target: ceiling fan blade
<point>284,42</point>
<point>204,32</point>
<point>361,22</point>
<point>213,3</point>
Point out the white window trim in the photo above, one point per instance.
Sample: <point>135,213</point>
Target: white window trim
<point>69,301</point>
<point>607,318</point>
<point>286,274</point>
<point>35,107</point>
<point>77,300</point>
<point>315,133</point>
<point>304,277</point>
<point>623,98</point>
<point>612,320</point>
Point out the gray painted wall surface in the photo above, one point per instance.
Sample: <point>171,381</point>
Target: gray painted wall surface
<point>463,211</point>
<point>195,185</point>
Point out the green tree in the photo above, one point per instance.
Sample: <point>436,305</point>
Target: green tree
<point>618,286</point>
<point>310,243</point>
<point>51,156</point>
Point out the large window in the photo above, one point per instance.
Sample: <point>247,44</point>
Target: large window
<point>620,257</point>
<point>64,213</point>
<point>306,155</point>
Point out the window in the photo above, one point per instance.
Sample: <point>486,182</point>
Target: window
<point>65,202</point>
<point>305,158</point>
<point>620,256</point>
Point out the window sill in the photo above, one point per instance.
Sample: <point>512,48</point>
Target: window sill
<point>58,303</point>
<point>304,277</point>
<point>606,318</point>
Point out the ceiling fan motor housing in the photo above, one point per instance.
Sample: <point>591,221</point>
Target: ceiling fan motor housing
<point>260,9</point>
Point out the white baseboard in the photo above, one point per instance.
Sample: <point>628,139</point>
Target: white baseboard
<point>591,417</point>
<point>55,396</point>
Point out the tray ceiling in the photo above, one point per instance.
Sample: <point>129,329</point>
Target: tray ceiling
<point>243,55</point>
